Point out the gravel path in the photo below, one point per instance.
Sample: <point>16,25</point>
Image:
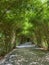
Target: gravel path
<point>27,56</point>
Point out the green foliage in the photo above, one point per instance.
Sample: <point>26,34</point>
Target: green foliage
<point>23,18</point>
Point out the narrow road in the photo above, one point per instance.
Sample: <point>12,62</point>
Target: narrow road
<point>27,56</point>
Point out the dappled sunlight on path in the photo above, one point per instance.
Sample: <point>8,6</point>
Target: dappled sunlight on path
<point>27,56</point>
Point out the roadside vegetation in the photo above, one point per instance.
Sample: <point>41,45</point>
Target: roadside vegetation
<point>23,19</point>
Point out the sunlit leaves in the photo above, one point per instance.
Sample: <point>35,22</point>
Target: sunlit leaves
<point>24,17</point>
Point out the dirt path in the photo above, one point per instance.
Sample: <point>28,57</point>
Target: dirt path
<point>27,56</point>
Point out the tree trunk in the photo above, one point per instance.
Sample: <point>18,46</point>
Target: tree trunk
<point>46,33</point>
<point>38,37</point>
<point>7,41</point>
<point>13,39</point>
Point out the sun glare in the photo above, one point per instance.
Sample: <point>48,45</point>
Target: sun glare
<point>42,1</point>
